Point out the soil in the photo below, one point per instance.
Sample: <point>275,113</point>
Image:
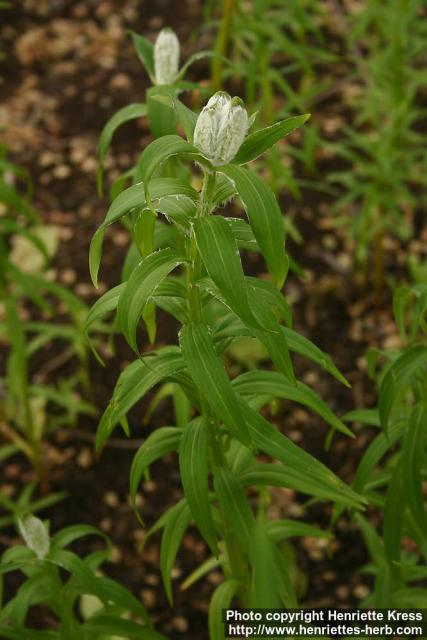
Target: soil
<point>68,67</point>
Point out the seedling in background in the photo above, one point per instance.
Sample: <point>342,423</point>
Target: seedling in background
<point>82,601</point>
<point>391,472</point>
<point>384,149</point>
<point>274,45</point>
<point>26,416</point>
<point>194,273</point>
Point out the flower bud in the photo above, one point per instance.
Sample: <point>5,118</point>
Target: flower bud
<point>35,535</point>
<point>221,128</point>
<point>166,57</point>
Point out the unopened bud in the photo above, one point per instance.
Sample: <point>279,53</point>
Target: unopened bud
<point>35,535</point>
<point>221,128</point>
<point>166,57</point>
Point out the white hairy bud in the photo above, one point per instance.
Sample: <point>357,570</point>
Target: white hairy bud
<point>221,128</point>
<point>166,57</point>
<point>35,535</point>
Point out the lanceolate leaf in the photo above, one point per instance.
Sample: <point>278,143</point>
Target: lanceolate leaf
<point>398,377</point>
<point>256,143</point>
<point>186,117</point>
<point>161,115</point>
<point>130,112</point>
<point>235,507</point>
<point>104,588</point>
<point>193,464</point>
<point>274,384</point>
<point>211,379</point>
<point>161,150</point>
<point>264,216</point>
<point>373,454</point>
<point>289,476</point>
<point>145,50</point>
<point>272,337</point>
<point>280,530</point>
<point>221,600</point>
<point>105,304</point>
<point>413,460</point>
<point>140,287</point>
<point>278,446</point>
<point>265,571</point>
<point>131,198</point>
<point>221,258</point>
<point>135,381</point>
<point>303,346</point>
<point>104,625</point>
<point>171,539</point>
<point>157,445</point>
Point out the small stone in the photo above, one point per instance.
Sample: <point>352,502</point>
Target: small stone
<point>180,623</point>
<point>61,171</point>
<point>148,598</point>
<point>85,458</point>
<point>111,499</point>
<point>361,591</point>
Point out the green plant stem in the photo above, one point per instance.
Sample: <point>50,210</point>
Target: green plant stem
<point>379,277</point>
<point>228,8</point>
<point>235,565</point>
<point>194,271</point>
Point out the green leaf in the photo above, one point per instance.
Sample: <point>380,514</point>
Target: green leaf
<point>29,634</point>
<point>145,50</point>
<point>376,450</point>
<point>235,507</point>
<point>194,469</point>
<point>413,457</point>
<point>394,510</point>
<point>289,476</point>
<point>140,287</point>
<point>131,198</point>
<point>104,305</point>
<point>211,379</point>
<point>174,530</point>
<point>195,57</point>
<point>273,338</point>
<point>161,114</point>
<point>130,112</point>
<point>105,625</point>
<point>265,570</point>
<point>161,150</point>
<point>256,143</point>
<point>280,530</point>
<point>185,116</point>
<point>104,588</point>
<point>69,534</point>
<point>158,444</point>
<point>221,600</point>
<point>264,216</point>
<point>272,297</point>
<point>398,377</point>
<point>271,383</point>
<point>296,460</point>
<point>134,382</point>
<point>221,258</point>
<point>303,346</point>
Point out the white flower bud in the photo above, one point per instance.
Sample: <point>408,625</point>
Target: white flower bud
<point>221,128</point>
<point>35,535</point>
<point>166,57</point>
